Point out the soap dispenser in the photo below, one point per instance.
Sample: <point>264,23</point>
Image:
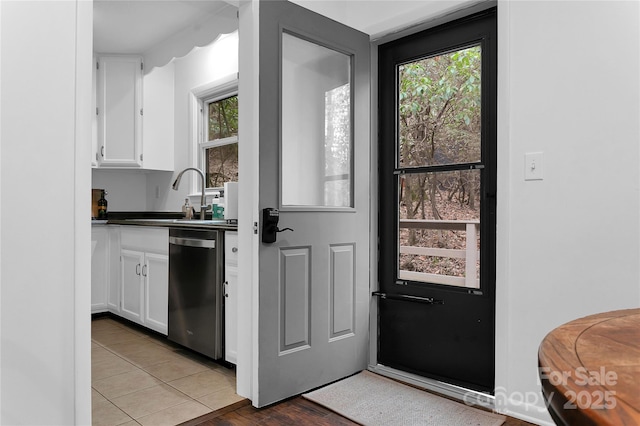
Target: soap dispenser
<point>187,211</point>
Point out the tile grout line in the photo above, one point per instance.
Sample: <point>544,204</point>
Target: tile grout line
<point>114,328</point>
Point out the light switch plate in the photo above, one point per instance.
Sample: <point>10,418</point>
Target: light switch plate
<point>533,166</point>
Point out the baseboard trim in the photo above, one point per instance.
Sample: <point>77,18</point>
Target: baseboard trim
<point>467,396</point>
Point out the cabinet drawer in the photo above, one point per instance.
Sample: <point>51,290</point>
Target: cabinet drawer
<point>231,248</point>
<point>144,238</point>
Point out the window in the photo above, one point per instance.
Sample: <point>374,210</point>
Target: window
<point>316,141</point>
<point>218,148</point>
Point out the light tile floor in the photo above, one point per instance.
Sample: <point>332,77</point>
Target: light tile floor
<point>138,378</point>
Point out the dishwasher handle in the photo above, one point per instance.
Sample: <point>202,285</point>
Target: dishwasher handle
<point>192,242</point>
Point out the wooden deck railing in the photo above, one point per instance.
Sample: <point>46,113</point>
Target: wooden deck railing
<point>470,254</point>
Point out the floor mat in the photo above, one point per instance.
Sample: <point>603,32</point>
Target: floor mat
<point>370,399</point>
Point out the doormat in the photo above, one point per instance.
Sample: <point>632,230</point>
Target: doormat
<point>370,399</point>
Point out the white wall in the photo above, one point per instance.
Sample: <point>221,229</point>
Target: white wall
<point>126,189</point>
<point>45,120</point>
<point>136,190</point>
<point>203,65</point>
<point>568,246</point>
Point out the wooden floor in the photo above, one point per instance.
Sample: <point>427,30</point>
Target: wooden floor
<point>295,411</point>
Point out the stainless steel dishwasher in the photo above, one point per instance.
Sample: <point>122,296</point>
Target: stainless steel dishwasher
<point>195,290</point>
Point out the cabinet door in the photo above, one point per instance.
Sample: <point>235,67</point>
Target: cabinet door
<point>131,263</point>
<point>231,297</point>
<point>99,268</point>
<point>114,284</point>
<point>94,121</point>
<point>156,280</point>
<point>119,98</point>
<point>231,315</point>
<point>158,123</point>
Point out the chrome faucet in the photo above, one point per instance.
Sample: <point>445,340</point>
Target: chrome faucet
<point>203,206</point>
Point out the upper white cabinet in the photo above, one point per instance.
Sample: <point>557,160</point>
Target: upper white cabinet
<point>134,114</point>
<point>158,119</point>
<point>94,123</point>
<point>119,111</point>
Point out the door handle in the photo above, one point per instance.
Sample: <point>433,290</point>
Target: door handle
<point>138,269</point>
<point>408,298</point>
<point>144,271</point>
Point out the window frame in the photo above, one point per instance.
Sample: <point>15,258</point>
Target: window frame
<point>204,142</point>
<point>200,97</point>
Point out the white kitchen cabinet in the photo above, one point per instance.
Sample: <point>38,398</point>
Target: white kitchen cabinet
<point>132,291</point>
<point>99,268</point>
<point>144,275</point>
<point>94,122</point>
<point>119,110</point>
<point>113,287</point>
<point>231,296</point>
<point>156,291</point>
<point>158,121</point>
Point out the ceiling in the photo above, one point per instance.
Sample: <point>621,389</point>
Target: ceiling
<point>134,26</point>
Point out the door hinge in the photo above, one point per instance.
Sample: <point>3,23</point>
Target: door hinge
<point>141,66</point>
<point>97,65</point>
<point>141,111</point>
<point>255,227</point>
<point>97,111</point>
<point>141,157</point>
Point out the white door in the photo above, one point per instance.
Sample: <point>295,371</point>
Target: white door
<point>313,168</point>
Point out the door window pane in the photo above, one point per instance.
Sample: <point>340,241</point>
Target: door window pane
<point>439,109</point>
<point>316,145</point>
<point>439,219</point>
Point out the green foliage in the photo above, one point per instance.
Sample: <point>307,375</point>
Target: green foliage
<point>223,118</point>
<point>439,106</point>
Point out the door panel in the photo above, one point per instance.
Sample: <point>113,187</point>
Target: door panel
<point>314,166</point>
<point>132,287</point>
<point>437,118</point>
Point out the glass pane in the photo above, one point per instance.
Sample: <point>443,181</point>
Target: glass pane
<point>223,118</point>
<point>316,144</point>
<point>221,165</point>
<point>439,109</point>
<point>439,233</point>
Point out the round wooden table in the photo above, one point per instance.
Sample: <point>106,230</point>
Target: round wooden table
<point>590,370</point>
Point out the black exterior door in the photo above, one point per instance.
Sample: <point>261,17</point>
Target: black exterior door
<point>437,132</point>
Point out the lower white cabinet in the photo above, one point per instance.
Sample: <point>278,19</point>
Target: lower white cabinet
<point>132,284</point>
<point>231,297</point>
<point>99,268</point>
<point>113,288</point>
<point>156,291</point>
<point>144,276</point>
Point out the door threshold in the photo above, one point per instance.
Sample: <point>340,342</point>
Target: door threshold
<point>467,396</point>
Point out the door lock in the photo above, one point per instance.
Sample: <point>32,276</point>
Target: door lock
<point>270,218</point>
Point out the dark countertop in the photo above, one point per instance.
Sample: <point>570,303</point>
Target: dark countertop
<point>165,219</point>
